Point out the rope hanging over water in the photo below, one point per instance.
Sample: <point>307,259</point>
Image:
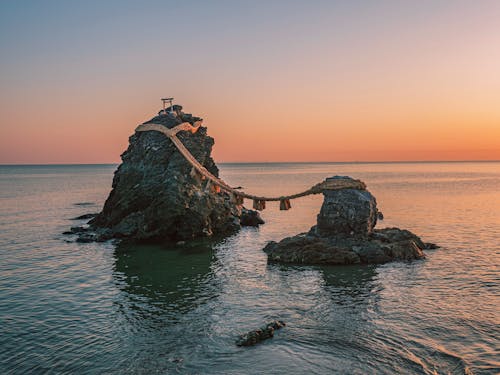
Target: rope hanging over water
<point>259,202</point>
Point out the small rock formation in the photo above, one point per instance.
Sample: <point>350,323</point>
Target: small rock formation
<point>250,218</point>
<point>345,234</point>
<point>85,216</point>
<point>347,211</point>
<point>155,194</point>
<point>258,335</point>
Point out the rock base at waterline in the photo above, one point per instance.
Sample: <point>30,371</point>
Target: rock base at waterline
<point>250,218</point>
<point>261,334</point>
<point>382,246</point>
<point>86,233</point>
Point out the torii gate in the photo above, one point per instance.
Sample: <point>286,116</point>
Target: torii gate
<point>165,100</point>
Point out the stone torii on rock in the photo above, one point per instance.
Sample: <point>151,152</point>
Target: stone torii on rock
<point>170,101</point>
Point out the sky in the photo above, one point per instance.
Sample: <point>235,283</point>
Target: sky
<point>273,80</point>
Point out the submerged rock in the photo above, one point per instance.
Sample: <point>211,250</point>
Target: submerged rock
<point>87,237</point>
<point>156,197</point>
<point>345,234</point>
<point>258,335</point>
<point>77,230</point>
<point>85,216</point>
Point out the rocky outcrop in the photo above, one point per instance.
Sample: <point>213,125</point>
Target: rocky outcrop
<point>347,211</point>
<point>155,194</point>
<point>345,234</point>
<point>85,216</point>
<point>250,218</point>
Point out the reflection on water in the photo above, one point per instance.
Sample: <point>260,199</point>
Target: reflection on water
<point>194,301</point>
<point>94,308</point>
<point>166,279</point>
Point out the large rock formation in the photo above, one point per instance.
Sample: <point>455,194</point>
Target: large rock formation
<point>156,196</point>
<point>345,234</point>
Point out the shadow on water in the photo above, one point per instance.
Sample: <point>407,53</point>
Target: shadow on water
<point>211,291</point>
<point>160,281</point>
<point>327,299</point>
<point>351,284</point>
<point>335,314</point>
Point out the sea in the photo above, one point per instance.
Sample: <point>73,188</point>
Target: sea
<point>106,308</point>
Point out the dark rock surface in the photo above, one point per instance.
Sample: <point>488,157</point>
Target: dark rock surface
<point>350,211</point>
<point>258,335</point>
<point>85,216</point>
<point>345,234</point>
<point>250,218</point>
<point>76,230</point>
<point>156,197</point>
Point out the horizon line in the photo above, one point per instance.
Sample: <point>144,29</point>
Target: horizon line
<point>278,162</point>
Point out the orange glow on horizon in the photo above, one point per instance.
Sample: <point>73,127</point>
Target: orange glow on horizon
<point>305,85</point>
<point>245,134</point>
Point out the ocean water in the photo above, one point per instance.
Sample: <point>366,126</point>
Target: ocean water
<point>94,308</point>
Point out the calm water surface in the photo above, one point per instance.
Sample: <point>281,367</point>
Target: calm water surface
<point>98,308</point>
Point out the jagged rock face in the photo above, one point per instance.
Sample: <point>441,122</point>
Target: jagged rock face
<point>155,196</point>
<point>348,211</point>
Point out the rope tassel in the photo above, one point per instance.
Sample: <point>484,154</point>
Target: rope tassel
<point>259,205</point>
<point>285,204</point>
<point>193,173</point>
<point>208,186</point>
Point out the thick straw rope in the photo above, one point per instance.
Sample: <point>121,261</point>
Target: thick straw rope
<point>172,134</point>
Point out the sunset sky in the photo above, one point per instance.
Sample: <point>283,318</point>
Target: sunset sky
<point>273,80</point>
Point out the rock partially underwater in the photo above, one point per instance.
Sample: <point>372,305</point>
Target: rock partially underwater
<point>261,334</point>
<point>345,234</point>
<point>85,217</point>
<point>156,196</point>
<point>250,218</point>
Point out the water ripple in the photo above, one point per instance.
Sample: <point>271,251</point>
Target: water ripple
<point>94,308</point>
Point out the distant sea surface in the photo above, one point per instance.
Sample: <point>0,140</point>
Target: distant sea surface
<point>67,307</point>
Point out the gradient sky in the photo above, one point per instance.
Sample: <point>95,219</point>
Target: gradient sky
<point>273,80</point>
